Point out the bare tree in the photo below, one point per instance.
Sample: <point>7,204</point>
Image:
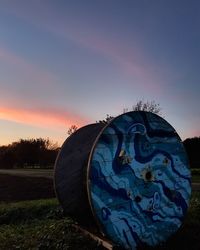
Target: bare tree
<point>72,129</point>
<point>141,105</point>
<point>147,106</point>
<point>107,119</point>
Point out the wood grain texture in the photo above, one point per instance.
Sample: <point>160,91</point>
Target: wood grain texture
<point>70,172</point>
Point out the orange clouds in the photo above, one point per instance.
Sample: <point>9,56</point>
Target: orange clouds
<point>42,117</point>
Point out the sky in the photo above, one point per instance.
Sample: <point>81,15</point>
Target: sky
<point>72,62</point>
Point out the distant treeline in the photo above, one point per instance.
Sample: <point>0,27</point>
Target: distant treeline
<point>192,146</point>
<point>42,153</point>
<point>32,153</point>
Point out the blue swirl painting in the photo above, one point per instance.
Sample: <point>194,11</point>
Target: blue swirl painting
<point>140,182</point>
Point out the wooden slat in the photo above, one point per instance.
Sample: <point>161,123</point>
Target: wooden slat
<point>70,172</point>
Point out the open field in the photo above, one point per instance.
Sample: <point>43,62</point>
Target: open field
<point>39,225</point>
<point>31,184</point>
<point>48,173</point>
<point>38,184</point>
<point>18,188</point>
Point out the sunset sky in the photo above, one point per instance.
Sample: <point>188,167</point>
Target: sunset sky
<point>72,62</point>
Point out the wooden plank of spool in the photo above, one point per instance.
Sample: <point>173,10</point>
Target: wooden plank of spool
<point>70,173</point>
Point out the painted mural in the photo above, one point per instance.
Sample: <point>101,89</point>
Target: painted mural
<point>140,182</point>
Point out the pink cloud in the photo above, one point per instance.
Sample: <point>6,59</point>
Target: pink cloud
<point>53,118</point>
<point>132,61</point>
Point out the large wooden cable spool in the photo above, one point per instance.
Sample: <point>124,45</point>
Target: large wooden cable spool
<point>130,176</point>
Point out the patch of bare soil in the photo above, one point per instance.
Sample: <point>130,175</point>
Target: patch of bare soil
<point>18,188</point>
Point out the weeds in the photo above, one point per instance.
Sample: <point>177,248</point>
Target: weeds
<point>39,225</point>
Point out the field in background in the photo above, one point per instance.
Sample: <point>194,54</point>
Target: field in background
<point>13,185</point>
<point>46,173</point>
<point>18,188</point>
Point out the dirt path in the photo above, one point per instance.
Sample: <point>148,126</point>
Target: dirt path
<point>196,186</point>
<point>45,173</point>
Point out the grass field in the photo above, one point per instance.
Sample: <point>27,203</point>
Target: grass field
<point>40,225</point>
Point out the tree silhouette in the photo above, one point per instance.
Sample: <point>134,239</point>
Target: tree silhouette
<point>192,146</point>
<point>107,119</point>
<point>151,106</point>
<point>72,129</point>
<point>7,157</point>
<point>28,153</point>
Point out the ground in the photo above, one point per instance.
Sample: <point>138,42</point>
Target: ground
<point>18,188</point>
<point>42,222</point>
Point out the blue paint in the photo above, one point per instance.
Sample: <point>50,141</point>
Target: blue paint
<point>126,238</point>
<point>158,164</point>
<point>104,185</point>
<point>105,213</point>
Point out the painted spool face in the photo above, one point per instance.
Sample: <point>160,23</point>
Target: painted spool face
<point>140,182</point>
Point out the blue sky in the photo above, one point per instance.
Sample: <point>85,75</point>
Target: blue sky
<point>73,62</point>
